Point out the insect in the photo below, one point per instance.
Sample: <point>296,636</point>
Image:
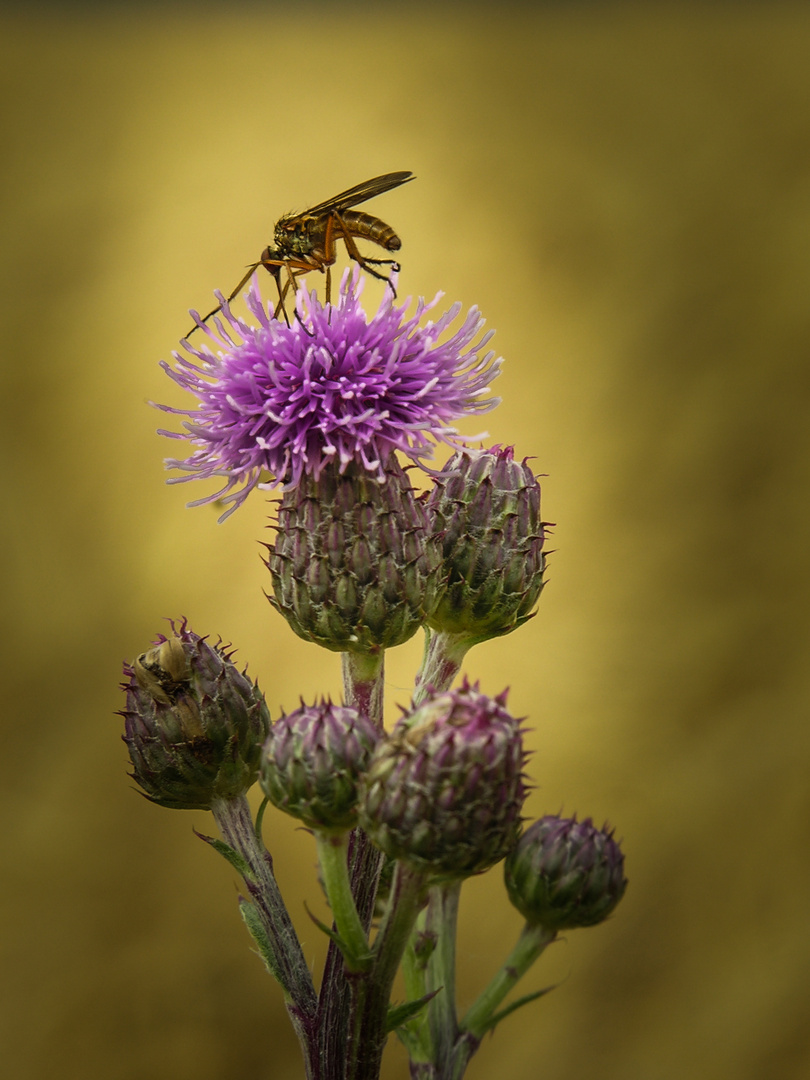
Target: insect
<point>307,241</point>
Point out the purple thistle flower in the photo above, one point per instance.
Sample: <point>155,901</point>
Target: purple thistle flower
<point>278,402</point>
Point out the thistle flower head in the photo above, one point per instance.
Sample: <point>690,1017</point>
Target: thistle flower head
<point>312,762</point>
<point>354,566</point>
<point>194,724</point>
<point>277,403</point>
<point>565,873</point>
<point>444,791</point>
<point>485,509</point>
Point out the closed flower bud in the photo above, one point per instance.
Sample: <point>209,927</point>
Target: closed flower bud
<point>194,725</point>
<point>312,762</point>
<point>444,791</point>
<point>565,873</point>
<point>486,511</point>
<point>353,565</point>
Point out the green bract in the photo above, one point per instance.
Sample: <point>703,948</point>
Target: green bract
<point>486,512</point>
<point>194,724</point>
<point>444,792</point>
<point>565,873</point>
<point>353,565</point>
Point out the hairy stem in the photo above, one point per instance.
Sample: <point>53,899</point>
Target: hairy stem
<point>235,822</point>
<point>532,941</point>
<point>442,922</point>
<point>444,655</point>
<point>408,894</point>
<point>338,1003</point>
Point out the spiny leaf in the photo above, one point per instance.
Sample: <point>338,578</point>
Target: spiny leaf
<point>401,1014</point>
<point>227,852</point>
<point>497,1017</point>
<point>254,924</point>
<point>354,963</point>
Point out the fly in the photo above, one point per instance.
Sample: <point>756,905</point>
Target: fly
<point>308,241</point>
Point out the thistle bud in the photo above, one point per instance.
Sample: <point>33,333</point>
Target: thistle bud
<point>312,762</point>
<point>444,791</point>
<point>353,565</point>
<point>486,511</point>
<point>565,873</point>
<point>194,725</point>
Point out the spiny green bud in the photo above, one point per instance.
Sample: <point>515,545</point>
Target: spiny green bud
<point>486,511</point>
<point>565,873</point>
<point>444,791</point>
<point>354,567</point>
<point>194,725</point>
<point>312,762</point>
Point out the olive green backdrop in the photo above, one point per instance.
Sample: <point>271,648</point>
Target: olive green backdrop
<point>625,191</point>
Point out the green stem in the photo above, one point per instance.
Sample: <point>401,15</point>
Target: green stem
<point>532,941</point>
<point>442,922</point>
<point>444,655</point>
<point>478,1020</point>
<point>363,684</point>
<point>333,852</point>
<point>416,1033</point>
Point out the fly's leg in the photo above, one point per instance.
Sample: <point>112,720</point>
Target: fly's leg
<point>250,270</point>
<point>293,271</point>
<point>282,292</point>
<point>329,254</point>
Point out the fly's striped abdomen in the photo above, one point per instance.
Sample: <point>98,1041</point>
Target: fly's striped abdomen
<point>370,228</point>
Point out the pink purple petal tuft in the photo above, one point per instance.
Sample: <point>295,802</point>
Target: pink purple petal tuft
<point>277,402</point>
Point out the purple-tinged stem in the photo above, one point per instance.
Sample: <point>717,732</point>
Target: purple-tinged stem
<point>235,822</point>
<point>408,895</point>
<point>338,999</point>
<point>444,655</point>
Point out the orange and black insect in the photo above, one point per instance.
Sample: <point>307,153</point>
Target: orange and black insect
<point>307,241</point>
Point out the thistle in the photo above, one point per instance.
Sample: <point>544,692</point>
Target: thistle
<point>444,792</point>
<point>485,508</point>
<point>279,403</point>
<point>194,724</point>
<point>333,408</point>
<point>312,762</point>
<point>354,567</point>
<point>565,873</point>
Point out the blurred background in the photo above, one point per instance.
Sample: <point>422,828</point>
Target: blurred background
<point>624,189</point>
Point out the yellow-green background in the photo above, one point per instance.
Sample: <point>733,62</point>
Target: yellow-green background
<point>625,191</point>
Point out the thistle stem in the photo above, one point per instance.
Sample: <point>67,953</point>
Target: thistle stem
<point>441,923</point>
<point>531,943</point>
<point>478,1019</point>
<point>339,999</point>
<point>333,852</point>
<point>235,822</point>
<point>363,684</point>
<point>408,892</point>
<point>442,660</point>
<point>416,1034</point>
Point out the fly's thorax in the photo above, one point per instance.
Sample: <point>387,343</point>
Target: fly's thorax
<point>298,236</point>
